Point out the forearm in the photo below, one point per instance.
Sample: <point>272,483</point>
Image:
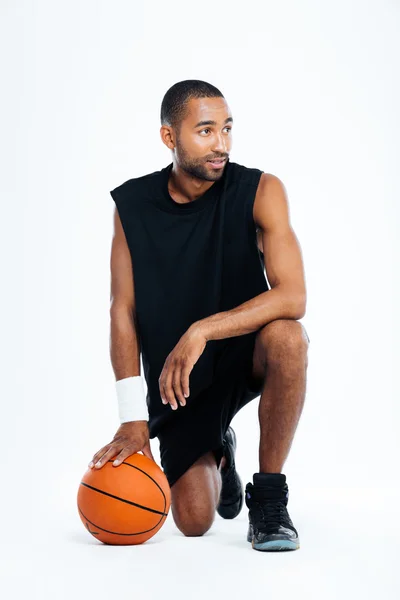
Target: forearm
<point>124,344</point>
<point>277,303</point>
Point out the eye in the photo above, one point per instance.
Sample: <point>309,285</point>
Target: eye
<point>208,129</point>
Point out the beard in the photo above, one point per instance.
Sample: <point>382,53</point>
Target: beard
<point>196,167</point>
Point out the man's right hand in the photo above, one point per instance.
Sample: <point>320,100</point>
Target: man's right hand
<point>130,438</point>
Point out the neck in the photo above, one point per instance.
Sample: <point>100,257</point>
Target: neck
<point>185,186</point>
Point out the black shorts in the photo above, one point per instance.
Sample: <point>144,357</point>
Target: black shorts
<point>199,427</point>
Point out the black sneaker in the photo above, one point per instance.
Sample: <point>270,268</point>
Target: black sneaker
<point>270,526</point>
<point>232,497</point>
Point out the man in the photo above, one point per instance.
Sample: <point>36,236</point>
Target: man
<point>191,246</point>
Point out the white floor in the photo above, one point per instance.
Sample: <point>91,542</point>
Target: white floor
<point>345,553</point>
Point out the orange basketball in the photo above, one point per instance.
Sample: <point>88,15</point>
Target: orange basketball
<point>127,504</point>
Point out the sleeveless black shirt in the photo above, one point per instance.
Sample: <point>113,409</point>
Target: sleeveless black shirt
<point>189,261</point>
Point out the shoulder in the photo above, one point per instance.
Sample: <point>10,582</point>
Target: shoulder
<point>247,175</point>
<point>265,179</point>
<point>128,188</point>
<point>271,202</point>
<point>271,184</point>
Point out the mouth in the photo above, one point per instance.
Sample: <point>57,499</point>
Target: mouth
<point>217,163</point>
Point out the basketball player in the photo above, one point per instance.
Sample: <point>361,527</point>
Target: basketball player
<point>193,243</point>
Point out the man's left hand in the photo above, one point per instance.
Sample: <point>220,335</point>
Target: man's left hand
<point>174,378</point>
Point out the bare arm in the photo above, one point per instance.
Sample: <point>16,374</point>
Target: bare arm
<point>132,436</point>
<point>283,263</point>
<point>282,253</point>
<point>124,339</point>
<point>285,300</point>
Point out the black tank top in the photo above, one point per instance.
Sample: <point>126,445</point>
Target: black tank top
<point>189,261</point>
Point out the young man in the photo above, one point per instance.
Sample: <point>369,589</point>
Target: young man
<point>191,247</point>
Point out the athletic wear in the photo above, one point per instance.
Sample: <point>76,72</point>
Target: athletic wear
<point>232,496</point>
<point>191,260</point>
<point>200,426</point>
<point>270,526</point>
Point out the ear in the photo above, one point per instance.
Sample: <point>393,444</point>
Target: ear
<point>167,136</point>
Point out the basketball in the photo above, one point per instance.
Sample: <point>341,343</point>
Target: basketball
<point>124,505</point>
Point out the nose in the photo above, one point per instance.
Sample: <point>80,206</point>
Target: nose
<point>219,144</point>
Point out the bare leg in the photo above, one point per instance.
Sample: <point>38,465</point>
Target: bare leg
<point>280,360</point>
<point>195,496</point>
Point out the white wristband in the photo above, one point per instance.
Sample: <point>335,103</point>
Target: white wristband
<point>132,405</point>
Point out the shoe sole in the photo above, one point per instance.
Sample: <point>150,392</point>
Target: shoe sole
<point>274,545</point>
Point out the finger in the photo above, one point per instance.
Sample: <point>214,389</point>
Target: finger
<point>178,386</point>
<point>98,455</point>
<point>161,385</point>
<point>112,451</point>
<point>147,451</point>
<point>168,389</point>
<point>124,453</point>
<point>185,379</point>
<point>163,394</point>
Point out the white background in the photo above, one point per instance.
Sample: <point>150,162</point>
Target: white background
<point>314,92</point>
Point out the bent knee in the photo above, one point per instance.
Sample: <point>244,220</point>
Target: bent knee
<point>193,528</point>
<point>193,514</point>
<point>282,336</point>
<point>194,497</point>
<point>193,517</point>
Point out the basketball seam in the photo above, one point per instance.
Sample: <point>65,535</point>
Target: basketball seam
<point>115,532</point>
<point>153,510</point>
<point>144,472</point>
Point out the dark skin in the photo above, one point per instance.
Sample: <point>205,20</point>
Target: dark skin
<point>280,354</point>
<point>192,148</point>
<point>190,178</point>
<point>203,135</point>
<point>133,436</point>
<point>281,342</point>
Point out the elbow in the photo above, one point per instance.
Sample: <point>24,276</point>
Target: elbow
<point>120,310</point>
<point>299,307</point>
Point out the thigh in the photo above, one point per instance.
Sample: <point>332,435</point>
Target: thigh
<point>199,428</point>
<point>195,431</point>
<point>259,364</point>
<point>197,481</point>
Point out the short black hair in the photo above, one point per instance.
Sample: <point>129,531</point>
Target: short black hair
<point>174,104</point>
